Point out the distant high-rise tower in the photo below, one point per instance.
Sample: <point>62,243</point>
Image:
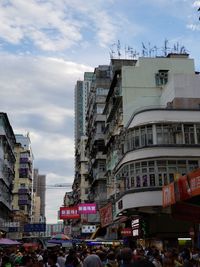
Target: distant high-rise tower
<point>81,97</point>
<point>39,188</point>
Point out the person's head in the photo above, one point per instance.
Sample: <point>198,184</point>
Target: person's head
<point>52,259</point>
<point>27,261</point>
<point>126,255</point>
<point>69,259</point>
<point>92,261</point>
<point>102,255</point>
<point>111,256</point>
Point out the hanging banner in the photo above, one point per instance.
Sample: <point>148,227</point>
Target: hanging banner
<point>194,178</point>
<point>106,217</point>
<point>168,195</point>
<point>87,208</point>
<point>183,189</point>
<point>67,213</point>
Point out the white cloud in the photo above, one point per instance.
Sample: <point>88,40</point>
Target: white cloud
<point>196,4</point>
<point>52,146</point>
<point>193,27</point>
<point>59,25</point>
<point>38,83</point>
<point>53,178</point>
<point>42,22</point>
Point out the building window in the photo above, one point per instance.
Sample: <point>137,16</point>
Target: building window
<point>154,172</point>
<point>198,133</point>
<point>189,134</point>
<point>161,77</point>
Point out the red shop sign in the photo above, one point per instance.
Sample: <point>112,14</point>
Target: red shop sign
<point>67,213</point>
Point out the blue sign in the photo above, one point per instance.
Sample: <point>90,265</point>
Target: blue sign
<point>12,229</point>
<point>35,227</point>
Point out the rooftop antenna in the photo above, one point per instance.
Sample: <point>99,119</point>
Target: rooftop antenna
<point>166,48</point>
<point>182,50</point>
<point>144,50</point>
<point>118,48</point>
<point>155,50</point>
<point>134,54</point>
<point>150,50</point>
<point>112,52</point>
<point>126,51</point>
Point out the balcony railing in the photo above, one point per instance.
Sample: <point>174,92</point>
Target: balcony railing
<point>22,191</point>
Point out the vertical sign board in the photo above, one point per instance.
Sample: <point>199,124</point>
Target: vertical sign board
<point>135,225</point>
<point>106,216</point>
<point>168,195</point>
<point>194,179</point>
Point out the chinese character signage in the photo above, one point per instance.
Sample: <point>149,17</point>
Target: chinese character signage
<point>135,225</point>
<point>126,232</point>
<point>67,213</point>
<point>194,178</point>
<point>87,229</point>
<point>87,208</point>
<point>183,189</point>
<point>106,215</point>
<point>35,227</point>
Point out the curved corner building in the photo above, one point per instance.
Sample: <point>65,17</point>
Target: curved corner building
<point>152,137</point>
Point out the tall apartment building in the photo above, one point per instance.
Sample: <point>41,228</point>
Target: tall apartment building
<point>152,137</point>
<point>81,97</point>
<point>95,146</point>
<point>39,189</point>
<point>22,191</point>
<point>82,89</point>
<point>7,164</point>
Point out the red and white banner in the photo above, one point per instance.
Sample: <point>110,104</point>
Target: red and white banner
<point>194,178</point>
<point>106,217</point>
<point>126,232</point>
<point>67,213</point>
<point>87,208</point>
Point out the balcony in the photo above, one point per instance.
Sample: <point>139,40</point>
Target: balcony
<point>22,202</point>
<point>25,160</point>
<point>23,191</point>
<point>99,176</point>
<point>25,173</point>
<point>99,117</point>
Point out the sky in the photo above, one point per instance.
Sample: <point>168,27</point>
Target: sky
<point>47,45</point>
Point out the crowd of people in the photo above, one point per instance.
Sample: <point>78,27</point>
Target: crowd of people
<point>100,257</point>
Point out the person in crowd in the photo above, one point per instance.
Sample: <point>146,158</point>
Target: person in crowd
<point>156,259</point>
<point>6,261</point>
<point>111,260</point>
<point>102,255</point>
<point>138,254</point>
<point>126,258</point>
<point>72,259</point>
<point>61,259</point>
<point>27,261</point>
<point>92,260</point>
<point>52,260</point>
<point>185,256</point>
